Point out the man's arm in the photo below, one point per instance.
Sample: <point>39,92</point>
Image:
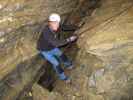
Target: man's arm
<point>68,27</point>
<point>55,41</point>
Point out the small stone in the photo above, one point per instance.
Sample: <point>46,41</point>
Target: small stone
<point>94,76</point>
<point>1,6</point>
<point>2,33</point>
<point>6,19</point>
<point>73,97</point>
<point>99,73</point>
<point>92,81</point>
<point>30,94</point>
<point>2,40</point>
<point>77,94</point>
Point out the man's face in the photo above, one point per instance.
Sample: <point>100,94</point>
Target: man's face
<point>54,25</point>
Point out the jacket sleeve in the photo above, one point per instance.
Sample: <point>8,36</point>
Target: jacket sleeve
<point>55,41</point>
<point>68,27</point>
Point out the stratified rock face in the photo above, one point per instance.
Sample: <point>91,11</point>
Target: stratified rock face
<point>104,63</point>
<point>109,36</point>
<point>19,21</point>
<point>19,24</point>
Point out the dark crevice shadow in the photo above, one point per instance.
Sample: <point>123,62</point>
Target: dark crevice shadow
<point>48,78</point>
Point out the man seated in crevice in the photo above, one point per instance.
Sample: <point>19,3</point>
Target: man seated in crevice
<point>49,45</point>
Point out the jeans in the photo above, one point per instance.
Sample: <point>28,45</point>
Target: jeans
<point>55,57</point>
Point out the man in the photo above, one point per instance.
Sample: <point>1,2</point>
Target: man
<point>48,45</point>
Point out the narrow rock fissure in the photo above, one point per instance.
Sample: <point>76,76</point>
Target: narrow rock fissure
<point>47,79</point>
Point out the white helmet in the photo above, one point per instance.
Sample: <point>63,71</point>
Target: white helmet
<point>54,17</point>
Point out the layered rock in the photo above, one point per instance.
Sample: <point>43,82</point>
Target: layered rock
<point>108,36</point>
<point>104,62</point>
<point>102,57</point>
<point>21,22</point>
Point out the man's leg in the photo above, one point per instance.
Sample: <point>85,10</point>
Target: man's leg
<point>66,61</point>
<point>57,52</point>
<point>55,64</point>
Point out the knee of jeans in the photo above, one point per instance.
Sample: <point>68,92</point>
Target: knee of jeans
<point>42,54</point>
<point>58,51</point>
<point>59,69</point>
<point>56,63</point>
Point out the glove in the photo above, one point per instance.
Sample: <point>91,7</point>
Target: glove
<point>72,39</point>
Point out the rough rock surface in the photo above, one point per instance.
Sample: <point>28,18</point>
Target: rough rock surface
<point>103,56</point>
<point>104,61</point>
<point>20,23</point>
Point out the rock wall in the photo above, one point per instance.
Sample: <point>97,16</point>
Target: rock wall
<point>102,57</point>
<point>110,40</point>
<point>104,60</point>
<point>20,24</point>
<point>20,20</point>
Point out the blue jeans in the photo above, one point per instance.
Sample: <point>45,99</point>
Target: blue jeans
<point>55,57</point>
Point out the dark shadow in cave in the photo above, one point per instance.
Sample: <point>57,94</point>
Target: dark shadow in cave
<point>48,79</point>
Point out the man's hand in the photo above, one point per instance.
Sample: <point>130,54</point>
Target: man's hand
<point>72,39</point>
